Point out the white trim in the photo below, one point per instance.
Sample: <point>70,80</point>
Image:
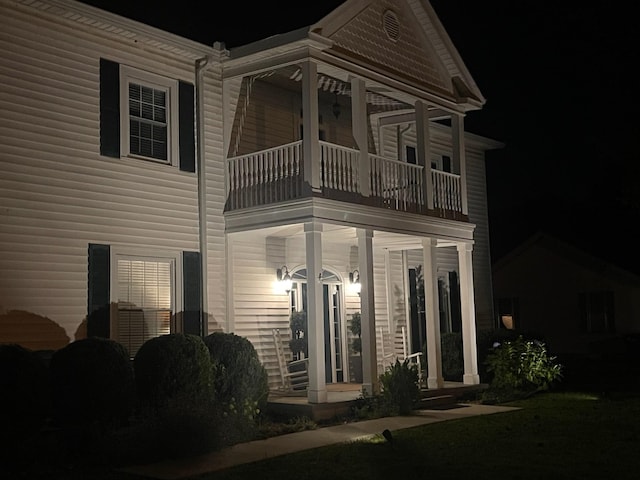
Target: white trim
<point>177,304</point>
<point>157,82</point>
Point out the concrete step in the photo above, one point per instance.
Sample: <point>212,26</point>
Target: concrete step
<point>437,401</point>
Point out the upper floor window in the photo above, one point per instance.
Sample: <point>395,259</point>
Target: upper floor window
<point>145,115</point>
<point>149,119</point>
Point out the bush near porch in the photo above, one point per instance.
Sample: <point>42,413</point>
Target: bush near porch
<point>96,406</point>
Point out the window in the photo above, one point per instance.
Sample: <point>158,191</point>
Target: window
<point>147,116</point>
<point>145,299</point>
<point>441,162</point>
<point>134,294</point>
<point>507,311</point>
<point>597,312</point>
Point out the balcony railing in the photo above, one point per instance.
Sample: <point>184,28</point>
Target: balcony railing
<point>277,174</point>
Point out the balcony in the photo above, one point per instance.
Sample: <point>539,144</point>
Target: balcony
<point>277,175</point>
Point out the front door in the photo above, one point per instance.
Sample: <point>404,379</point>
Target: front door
<point>334,337</point>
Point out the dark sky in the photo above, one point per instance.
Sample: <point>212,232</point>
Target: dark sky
<point>561,94</point>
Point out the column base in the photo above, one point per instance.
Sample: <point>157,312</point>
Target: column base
<point>434,382</point>
<point>471,379</point>
<point>317,396</point>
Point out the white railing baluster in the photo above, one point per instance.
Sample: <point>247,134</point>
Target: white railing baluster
<point>275,175</point>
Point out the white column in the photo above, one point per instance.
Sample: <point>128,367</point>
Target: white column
<point>310,141</point>
<point>367,305</point>
<point>459,157</point>
<point>317,390</point>
<point>360,134</point>
<point>432,313</point>
<point>423,150</point>
<point>467,303</point>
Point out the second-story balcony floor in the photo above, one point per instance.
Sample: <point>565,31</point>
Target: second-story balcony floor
<point>277,175</point>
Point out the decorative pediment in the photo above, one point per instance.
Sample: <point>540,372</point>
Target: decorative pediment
<point>402,39</point>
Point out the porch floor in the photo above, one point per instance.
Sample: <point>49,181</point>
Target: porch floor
<point>341,396</point>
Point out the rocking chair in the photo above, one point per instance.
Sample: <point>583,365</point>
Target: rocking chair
<point>294,375</point>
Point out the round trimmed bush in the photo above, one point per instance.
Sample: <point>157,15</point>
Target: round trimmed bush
<point>240,381</point>
<point>24,402</point>
<point>92,381</point>
<point>173,370</point>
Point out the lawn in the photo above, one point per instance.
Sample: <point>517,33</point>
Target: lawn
<point>563,435</point>
<point>555,435</point>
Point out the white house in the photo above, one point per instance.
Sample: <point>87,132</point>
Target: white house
<point>151,184</point>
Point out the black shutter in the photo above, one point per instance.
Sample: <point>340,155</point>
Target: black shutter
<point>187,127</point>
<point>454,300</point>
<point>109,108</point>
<point>98,295</point>
<point>192,293</point>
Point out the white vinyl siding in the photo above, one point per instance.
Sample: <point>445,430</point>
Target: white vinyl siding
<point>58,194</point>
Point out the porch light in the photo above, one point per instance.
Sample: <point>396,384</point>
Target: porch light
<point>284,278</point>
<point>336,108</point>
<point>354,279</point>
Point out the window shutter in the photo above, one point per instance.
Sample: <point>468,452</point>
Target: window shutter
<point>192,297</point>
<point>98,295</point>
<point>109,108</point>
<point>187,127</point>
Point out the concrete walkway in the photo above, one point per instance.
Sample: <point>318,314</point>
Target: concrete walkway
<point>294,442</point>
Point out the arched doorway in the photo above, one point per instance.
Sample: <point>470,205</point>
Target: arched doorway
<point>334,330</point>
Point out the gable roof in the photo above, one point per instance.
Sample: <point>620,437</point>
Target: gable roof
<point>400,39</point>
<point>567,251</point>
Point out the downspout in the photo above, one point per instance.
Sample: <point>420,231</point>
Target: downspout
<point>201,66</point>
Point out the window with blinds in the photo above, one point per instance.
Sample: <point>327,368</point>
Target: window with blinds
<point>145,300</point>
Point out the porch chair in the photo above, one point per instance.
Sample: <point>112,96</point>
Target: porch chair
<point>294,375</point>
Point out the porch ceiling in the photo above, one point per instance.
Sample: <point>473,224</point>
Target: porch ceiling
<point>344,235</point>
<point>380,98</point>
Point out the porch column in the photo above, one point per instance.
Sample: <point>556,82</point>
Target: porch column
<point>459,157</point>
<point>367,305</point>
<point>467,304</point>
<point>423,150</point>
<point>432,313</point>
<point>317,390</point>
<point>359,127</point>
<point>310,127</point>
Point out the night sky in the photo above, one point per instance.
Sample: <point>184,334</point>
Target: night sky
<point>560,86</point>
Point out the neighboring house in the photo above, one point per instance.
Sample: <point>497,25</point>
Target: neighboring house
<point>150,184</point>
<point>573,300</point>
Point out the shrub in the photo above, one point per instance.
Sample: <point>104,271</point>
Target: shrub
<point>24,402</point>
<point>452,360</point>
<point>240,381</point>
<point>92,383</point>
<point>299,341</point>
<point>355,327</point>
<point>521,367</point>
<point>173,370</point>
<point>399,388</point>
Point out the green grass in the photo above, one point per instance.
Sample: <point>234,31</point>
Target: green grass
<point>555,436</point>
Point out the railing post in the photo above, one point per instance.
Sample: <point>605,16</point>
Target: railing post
<point>423,147</point>
<point>359,127</point>
<point>311,139</point>
<point>459,157</point>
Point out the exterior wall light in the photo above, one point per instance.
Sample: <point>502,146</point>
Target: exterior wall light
<point>284,278</point>
<point>354,279</point>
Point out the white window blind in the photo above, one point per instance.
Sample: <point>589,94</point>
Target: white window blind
<point>145,293</point>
